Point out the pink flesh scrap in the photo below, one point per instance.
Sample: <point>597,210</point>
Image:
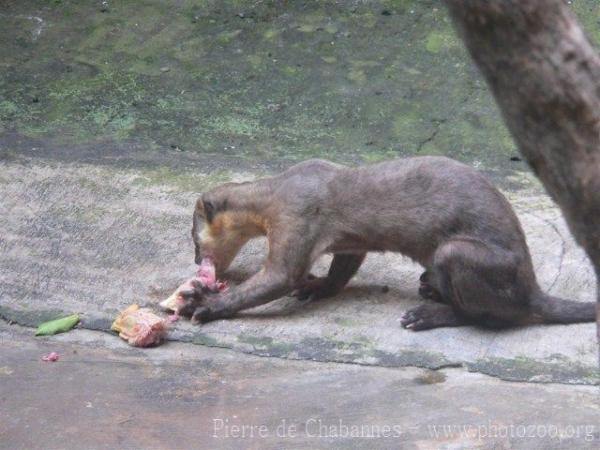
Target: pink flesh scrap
<point>207,273</point>
<point>53,356</point>
<point>207,276</point>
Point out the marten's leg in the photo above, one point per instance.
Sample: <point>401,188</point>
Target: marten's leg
<point>426,289</point>
<point>289,259</point>
<point>342,269</point>
<point>263,287</point>
<point>480,284</point>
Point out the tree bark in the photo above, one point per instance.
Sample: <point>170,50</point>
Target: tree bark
<point>545,77</point>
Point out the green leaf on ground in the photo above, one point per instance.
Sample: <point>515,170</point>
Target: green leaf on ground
<point>57,326</point>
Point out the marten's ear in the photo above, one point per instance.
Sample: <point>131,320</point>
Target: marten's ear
<point>204,209</point>
<point>209,207</point>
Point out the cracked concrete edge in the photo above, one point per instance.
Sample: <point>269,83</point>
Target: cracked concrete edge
<point>519,369</point>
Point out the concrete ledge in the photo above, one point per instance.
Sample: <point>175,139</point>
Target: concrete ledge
<point>94,245</point>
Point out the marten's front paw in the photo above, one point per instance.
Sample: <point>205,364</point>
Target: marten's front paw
<point>207,313</point>
<point>315,289</point>
<point>189,300</point>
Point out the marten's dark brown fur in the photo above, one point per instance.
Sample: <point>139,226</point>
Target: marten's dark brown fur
<point>441,213</point>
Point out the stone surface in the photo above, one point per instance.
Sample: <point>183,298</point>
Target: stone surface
<point>103,394</point>
<point>252,80</point>
<point>84,239</point>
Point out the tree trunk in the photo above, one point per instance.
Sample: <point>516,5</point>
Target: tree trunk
<point>545,76</point>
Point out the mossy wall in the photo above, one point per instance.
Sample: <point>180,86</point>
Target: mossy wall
<point>351,81</point>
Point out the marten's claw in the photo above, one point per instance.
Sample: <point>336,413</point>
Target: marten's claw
<point>418,318</point>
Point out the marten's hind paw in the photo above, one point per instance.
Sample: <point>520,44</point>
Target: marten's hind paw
<point>429,316</point>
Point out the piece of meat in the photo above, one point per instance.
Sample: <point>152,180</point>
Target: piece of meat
<point>207,273</point>
<point>205,278</point>
<point>173,317</point>
<point>51,357</point>
<point>140,327</point>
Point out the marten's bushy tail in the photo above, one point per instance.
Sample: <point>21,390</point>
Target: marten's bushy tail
<point>549,309</point>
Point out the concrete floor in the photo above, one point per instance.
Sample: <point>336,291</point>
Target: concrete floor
<point>102,394</point>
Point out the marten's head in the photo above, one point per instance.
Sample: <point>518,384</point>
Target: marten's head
<point>220,229</point>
